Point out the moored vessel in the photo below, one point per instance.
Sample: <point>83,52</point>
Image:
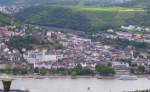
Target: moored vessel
<point>128,77</point>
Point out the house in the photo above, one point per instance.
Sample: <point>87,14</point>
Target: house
<point>51,35</point>
<point>39,37</point>
<point>130,27</point>
<point>2,45</point>
<point>17,57</point>
<point>4,32</point>
<point>121,68</point>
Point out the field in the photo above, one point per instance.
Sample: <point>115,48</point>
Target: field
<point>107,9</point>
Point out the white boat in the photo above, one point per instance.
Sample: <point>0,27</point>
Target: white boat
<point>128,77</point>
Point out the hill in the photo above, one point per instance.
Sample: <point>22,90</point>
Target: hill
<point>83,18</point>
<point>141,3</point>
<point>8,2</point>
<point>138,3</point>
<point>60,2</point>
<point>4,19</point>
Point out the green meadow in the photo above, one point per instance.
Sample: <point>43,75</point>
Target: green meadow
<point>107,9</point>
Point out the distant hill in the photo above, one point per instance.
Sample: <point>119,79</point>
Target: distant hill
<point>60,2</point>
<point>6,2</point>
<point>138,3</point>
<point>141,3</point>
<point>83,18</point>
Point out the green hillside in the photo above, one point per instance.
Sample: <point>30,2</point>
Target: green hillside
<point>83,18</point>
<point>4,19</point>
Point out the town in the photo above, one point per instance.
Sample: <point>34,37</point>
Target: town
<point>43,48</point>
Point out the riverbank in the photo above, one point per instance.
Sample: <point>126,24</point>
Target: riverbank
<point>68,76</point>
<point>43,77</point>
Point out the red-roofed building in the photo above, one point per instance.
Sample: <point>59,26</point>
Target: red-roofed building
<point>2,45</point>
<point>4,32</point>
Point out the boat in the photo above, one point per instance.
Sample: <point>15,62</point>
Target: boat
<point>73,77</point>
<point>39,77</point>
<point>105,77</point>
<point>99,77</point>
<point>128,77</point>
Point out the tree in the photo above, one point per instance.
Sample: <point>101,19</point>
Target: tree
<point>141,68</point>
<point>132,70</point>
<point>86,71</point>
<point>136,52</point>
<point>18,42</point>
<point>77,69</point>
<point>36,70</point>
<point>8,70</point>
<point>109,64</point>
<point>61,71</point>
<point>56,44</point>
<point>104,70</point>
<point>43,71</point>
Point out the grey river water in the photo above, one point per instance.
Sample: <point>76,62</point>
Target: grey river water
<point>80,85</point>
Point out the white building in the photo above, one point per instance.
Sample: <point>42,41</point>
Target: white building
<point>120,65</point>
<point>42,65</point>
<point>41,56</point>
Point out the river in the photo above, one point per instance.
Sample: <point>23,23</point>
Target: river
<point>80,85</point>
